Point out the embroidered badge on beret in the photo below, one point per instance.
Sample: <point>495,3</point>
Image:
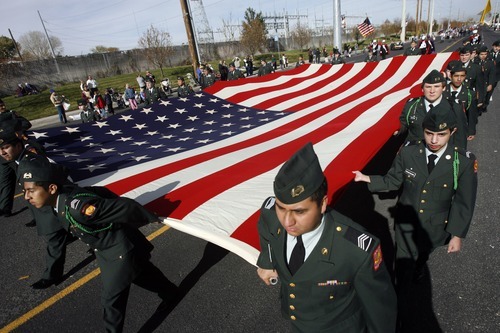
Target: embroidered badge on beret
<point>297,190</point>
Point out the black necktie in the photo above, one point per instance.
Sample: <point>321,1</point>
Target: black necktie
<point>297,257</point>
<point>431,164</point>
<point>454,95</point>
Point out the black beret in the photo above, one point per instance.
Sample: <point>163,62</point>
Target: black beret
<point>456,66</point>
<point>434,77</point>
<point>180,78</point>
<point>8,129</point>
<point>37,168</point>
<point>299,177</point>
<point>81,102</point>
<point>439,118</point>
<point>232,64</point>
<point>465,49</point>
<point>496,43</point>
<point>483,48</point>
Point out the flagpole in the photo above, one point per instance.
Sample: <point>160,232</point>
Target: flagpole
<point>431,16</point>
<point>403,23</point>
<point>337,36</point>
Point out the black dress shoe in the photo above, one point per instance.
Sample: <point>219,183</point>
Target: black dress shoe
<point>43,283</point>
<point>5,213</point>
<point>31,224</point>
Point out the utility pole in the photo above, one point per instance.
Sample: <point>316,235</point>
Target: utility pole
<point>431,19</point>
<point>417,21</point>
<point>403,23</point>
<point>193,50</point>
<point>337,25</point>
<point>50,44</point>
<point>15,44</point>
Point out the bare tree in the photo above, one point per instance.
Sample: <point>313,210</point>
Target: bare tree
<point>34,46</point>
<point>104,49</point>
<point>230,30</point>
<point>302,35</point>
<point>157,46</point>
<point>253,34</point>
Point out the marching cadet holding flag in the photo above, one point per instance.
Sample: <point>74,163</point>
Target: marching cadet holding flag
<point>14,148</point>
<point>436,204</point>
<point>333,278</point>
<point>109,225</point>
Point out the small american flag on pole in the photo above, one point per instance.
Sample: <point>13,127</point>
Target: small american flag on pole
<point>366,27</point>
<point>207,162</point>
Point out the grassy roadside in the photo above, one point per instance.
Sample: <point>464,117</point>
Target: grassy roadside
<point>39,106</point>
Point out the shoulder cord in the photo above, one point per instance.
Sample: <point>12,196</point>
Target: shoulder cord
<point>73,222</point>
<point>456,169</point>
<point>409,110</point>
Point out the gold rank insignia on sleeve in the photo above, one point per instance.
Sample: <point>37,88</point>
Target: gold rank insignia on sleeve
<point>475,166</point>
<point>377,258</point>
<point>88,210</point>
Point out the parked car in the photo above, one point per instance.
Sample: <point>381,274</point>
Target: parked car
<point>396,46</point>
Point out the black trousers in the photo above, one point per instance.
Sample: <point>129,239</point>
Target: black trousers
<point>116,287</point>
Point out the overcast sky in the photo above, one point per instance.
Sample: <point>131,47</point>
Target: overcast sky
<point>83,24</point>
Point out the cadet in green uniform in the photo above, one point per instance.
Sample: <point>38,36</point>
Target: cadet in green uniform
<point>488,68</point>
<point>437,201</point>
<point>109,225</point>
<point>464,105</point>
<point>475,77</point>
<point>234,73</point>
<point>265,68</point>
<point>183,90</point>
<point>415,109</point>
<point>14,150</point>
<point>331,270</point>
<point>207,78</point>
<point>7,174</point>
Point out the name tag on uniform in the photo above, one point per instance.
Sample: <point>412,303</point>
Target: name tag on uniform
<point>410,173</point>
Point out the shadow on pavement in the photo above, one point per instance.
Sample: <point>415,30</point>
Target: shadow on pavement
<point>211,256</point>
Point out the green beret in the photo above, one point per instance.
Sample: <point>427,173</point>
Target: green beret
<point>299,177</point>
<point>434,77</point>
<point>37,168</point>
<point>439,118</point>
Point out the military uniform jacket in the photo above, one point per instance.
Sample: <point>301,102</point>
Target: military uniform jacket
<point>151,96</point>
<point>235,75</point>
<point>207,80</point>
<point>343,286</point>
<point>415,51</point>
<point>475,81</point>
<point>441,210</point>
<point>412,117</point>
<point>489,72</point>
<point>337,61</point>
<point>8,115</point>
<point>109,225</point>
<point>465,107</point>
<point>495,57</point>
<point>184,91</point>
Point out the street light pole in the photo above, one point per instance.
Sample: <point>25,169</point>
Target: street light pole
<point>337,25</point>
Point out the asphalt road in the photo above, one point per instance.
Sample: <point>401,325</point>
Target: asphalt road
<point>222,292</point>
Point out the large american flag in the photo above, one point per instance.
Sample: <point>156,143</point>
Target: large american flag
<point>207,162</point>
<point>366,28</point>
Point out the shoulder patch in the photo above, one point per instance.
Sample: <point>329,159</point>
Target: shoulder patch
<point>269,203</point>
<point>360,239</point>
<point>377,258</point>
